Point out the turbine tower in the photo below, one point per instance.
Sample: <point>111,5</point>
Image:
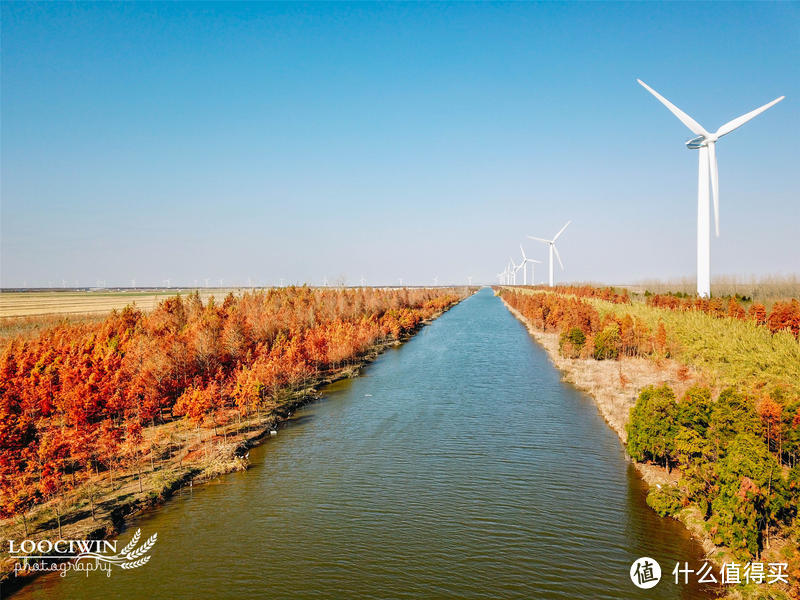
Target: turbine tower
<point>525,261</point>
<point>553,250</point>
<point>706,143</point>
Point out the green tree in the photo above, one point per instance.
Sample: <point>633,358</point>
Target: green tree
<point>607,343</point>
<point>749,499</point>
<point>732,414</point>
<point>652,426</point>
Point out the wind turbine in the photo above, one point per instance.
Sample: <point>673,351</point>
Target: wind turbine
<point>517,268</point>
<point>435,281</point>
<point>469,280</point>
<point>525,261</point>
<point>706,143</point>
<point>553,250</point>
<point>512,271</point>
<point>363,281</point>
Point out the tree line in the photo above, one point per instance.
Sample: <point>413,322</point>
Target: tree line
<point>75,399</point>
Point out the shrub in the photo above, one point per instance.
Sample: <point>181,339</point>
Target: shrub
<point>665,500</point>
<point>607,342</point>
<point>571,342</point>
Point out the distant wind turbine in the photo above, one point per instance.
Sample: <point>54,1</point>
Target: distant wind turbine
<point>525,261</point>
<point>706,143</point>
<point>553,250</point>
<point>469,279</point>
<point>363,281</point>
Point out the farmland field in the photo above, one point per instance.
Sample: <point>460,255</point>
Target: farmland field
<point>50,302</point>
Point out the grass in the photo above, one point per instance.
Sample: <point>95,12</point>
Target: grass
<point>729,351</point>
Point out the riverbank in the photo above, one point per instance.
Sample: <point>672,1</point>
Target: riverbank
<point>193,455</point>
<point>615,386</point>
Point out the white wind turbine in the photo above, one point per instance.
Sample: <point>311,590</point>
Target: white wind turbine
<point>512,271</point>
<point>553,250</point>
<point>517,268</point>
<point>706,143</point>
<point>525,261</point>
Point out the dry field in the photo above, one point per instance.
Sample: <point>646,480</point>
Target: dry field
<point>759,289</point>
<point>69,302</point>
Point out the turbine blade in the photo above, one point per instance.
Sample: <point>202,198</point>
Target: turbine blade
<point>562,230</point>
<point>535,261</point>
<point>739,121</point>
<point>539,239</point>
<point>523,251</point>
<point>712,165</point>
<point>693,125</point>
<point>558,256</point>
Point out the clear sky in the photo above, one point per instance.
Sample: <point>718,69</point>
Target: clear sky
<point>298,141</point>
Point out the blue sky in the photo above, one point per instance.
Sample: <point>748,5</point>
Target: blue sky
<point>298,141</point>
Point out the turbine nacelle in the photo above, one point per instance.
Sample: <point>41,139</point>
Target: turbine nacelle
<point>697,142</point>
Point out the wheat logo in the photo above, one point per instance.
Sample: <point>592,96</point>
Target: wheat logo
<point>130,557</point>
<point>42,556</point>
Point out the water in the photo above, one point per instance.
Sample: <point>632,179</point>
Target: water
<point>458,466</point>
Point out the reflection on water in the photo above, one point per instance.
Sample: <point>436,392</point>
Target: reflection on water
<point>458,466</point>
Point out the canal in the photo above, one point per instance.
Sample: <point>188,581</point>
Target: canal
<point>458,466</point>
